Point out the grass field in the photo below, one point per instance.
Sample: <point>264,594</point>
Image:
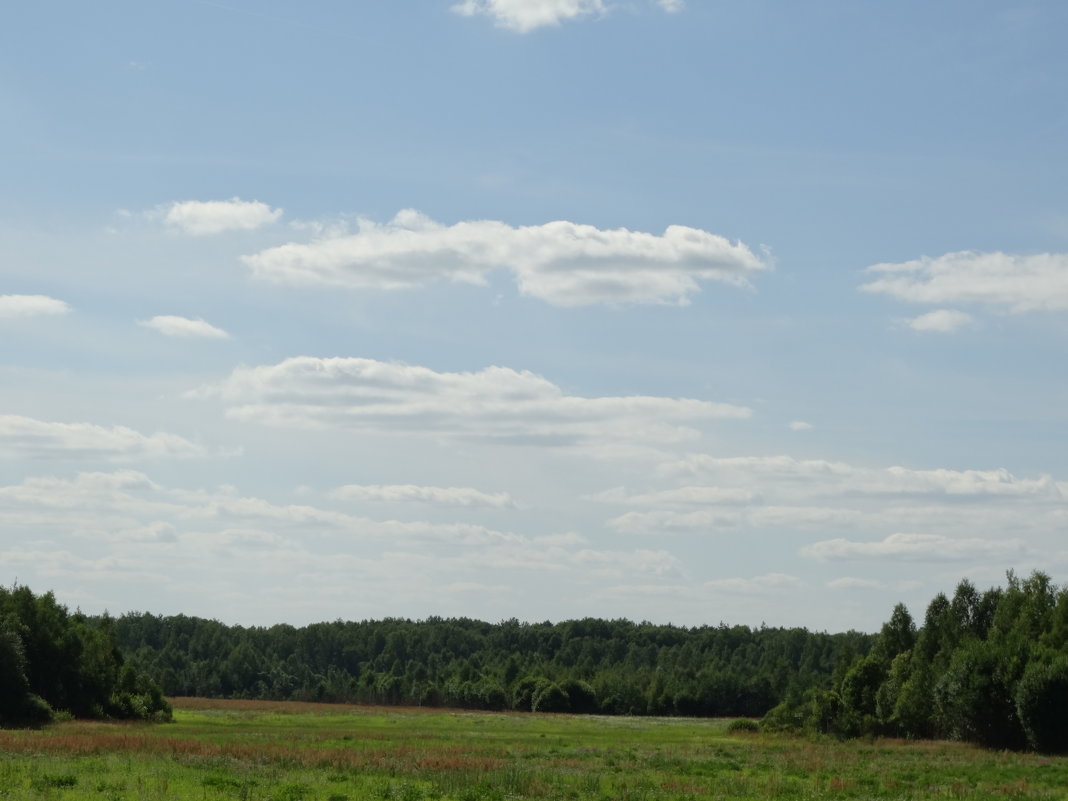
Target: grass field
<point>312,752</point>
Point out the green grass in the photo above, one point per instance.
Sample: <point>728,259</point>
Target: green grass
<point>278,752</point>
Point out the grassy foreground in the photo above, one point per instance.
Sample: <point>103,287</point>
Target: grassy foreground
<point>311,752</point>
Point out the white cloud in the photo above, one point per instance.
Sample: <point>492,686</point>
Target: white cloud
<point>174,326</point>
<point>562,263</point>
<point>780,495</point>
<point>853,583</point>
<point>668,522</point>
<point>524,16</point>
<point>199,217</point>
<point>615,564</point>
<point>95,526</point>
<point>496,403</point>
<point>943,321</point>
<point>967,482</point>
<point>37,439</point>
<point>718,520</point>
<point>809,477</point>
<point>1004,281</point>
<point>769,582</point>
<point>915,547</point>
<point>800,425</point>
<point>680,495</point>
<point>30,306</point>
<point>736,466</point>
<point>410,493</point>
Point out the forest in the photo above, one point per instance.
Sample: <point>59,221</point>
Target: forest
<point>54,662</point>
<point>580,666</point>
<point>988,667</point>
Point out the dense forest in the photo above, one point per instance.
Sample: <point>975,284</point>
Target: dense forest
<point>582,666</point>
<point>988,667</point>
<point>52,661</point>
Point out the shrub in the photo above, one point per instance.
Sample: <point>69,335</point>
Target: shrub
<point>1041,698</point>
<point>551,699</point>
<point>743,726</point>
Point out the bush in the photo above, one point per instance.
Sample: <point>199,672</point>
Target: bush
<point>743,726</point>
<point>582,696</point>
<point>526,691</point>
<point>785,717</point>
<point>551,699</point>
<point>1041,698</point>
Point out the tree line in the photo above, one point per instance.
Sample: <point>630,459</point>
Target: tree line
<point>987,667</point>
<point>581,666</point>
<point>53,662</point>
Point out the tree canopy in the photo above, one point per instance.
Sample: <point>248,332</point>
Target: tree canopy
<point>988,667</point>
<point>582,666</point>
<point>53,661</point>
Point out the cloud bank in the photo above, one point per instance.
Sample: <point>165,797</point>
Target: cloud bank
<point>495,404</point>
<point>1005,282</point>
<point>915,547</point>
<point>439,496</point>
<point>26,437</point>
<point>934,515</point>
<point>562,263</point>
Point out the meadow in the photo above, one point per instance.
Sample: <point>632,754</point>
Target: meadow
<point>256,750</point>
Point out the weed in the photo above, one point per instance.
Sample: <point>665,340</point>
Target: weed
<point>63,781</point>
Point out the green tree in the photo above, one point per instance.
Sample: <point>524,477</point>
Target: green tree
<point>1041,701</point>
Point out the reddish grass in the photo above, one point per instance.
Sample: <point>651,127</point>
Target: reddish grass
<point>312,707</point>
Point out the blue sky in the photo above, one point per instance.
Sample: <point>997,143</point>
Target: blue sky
<point>678,311</point>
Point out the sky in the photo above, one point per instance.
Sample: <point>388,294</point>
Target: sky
<point>686,311</point>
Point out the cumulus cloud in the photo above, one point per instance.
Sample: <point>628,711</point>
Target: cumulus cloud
<point>915,547</point>
<point>496,403</point>
<point>174,326</point>
<point>438,496</point>
<point>999,280</point>
<point>942,321</point>
<point>30,306</point>
<point>523,16</point>
<point>200,217</point>
<point>27,437</point>
<point>562,263</point>
<point>800,425</point>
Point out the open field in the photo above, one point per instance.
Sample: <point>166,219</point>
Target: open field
<point>312,752</point>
